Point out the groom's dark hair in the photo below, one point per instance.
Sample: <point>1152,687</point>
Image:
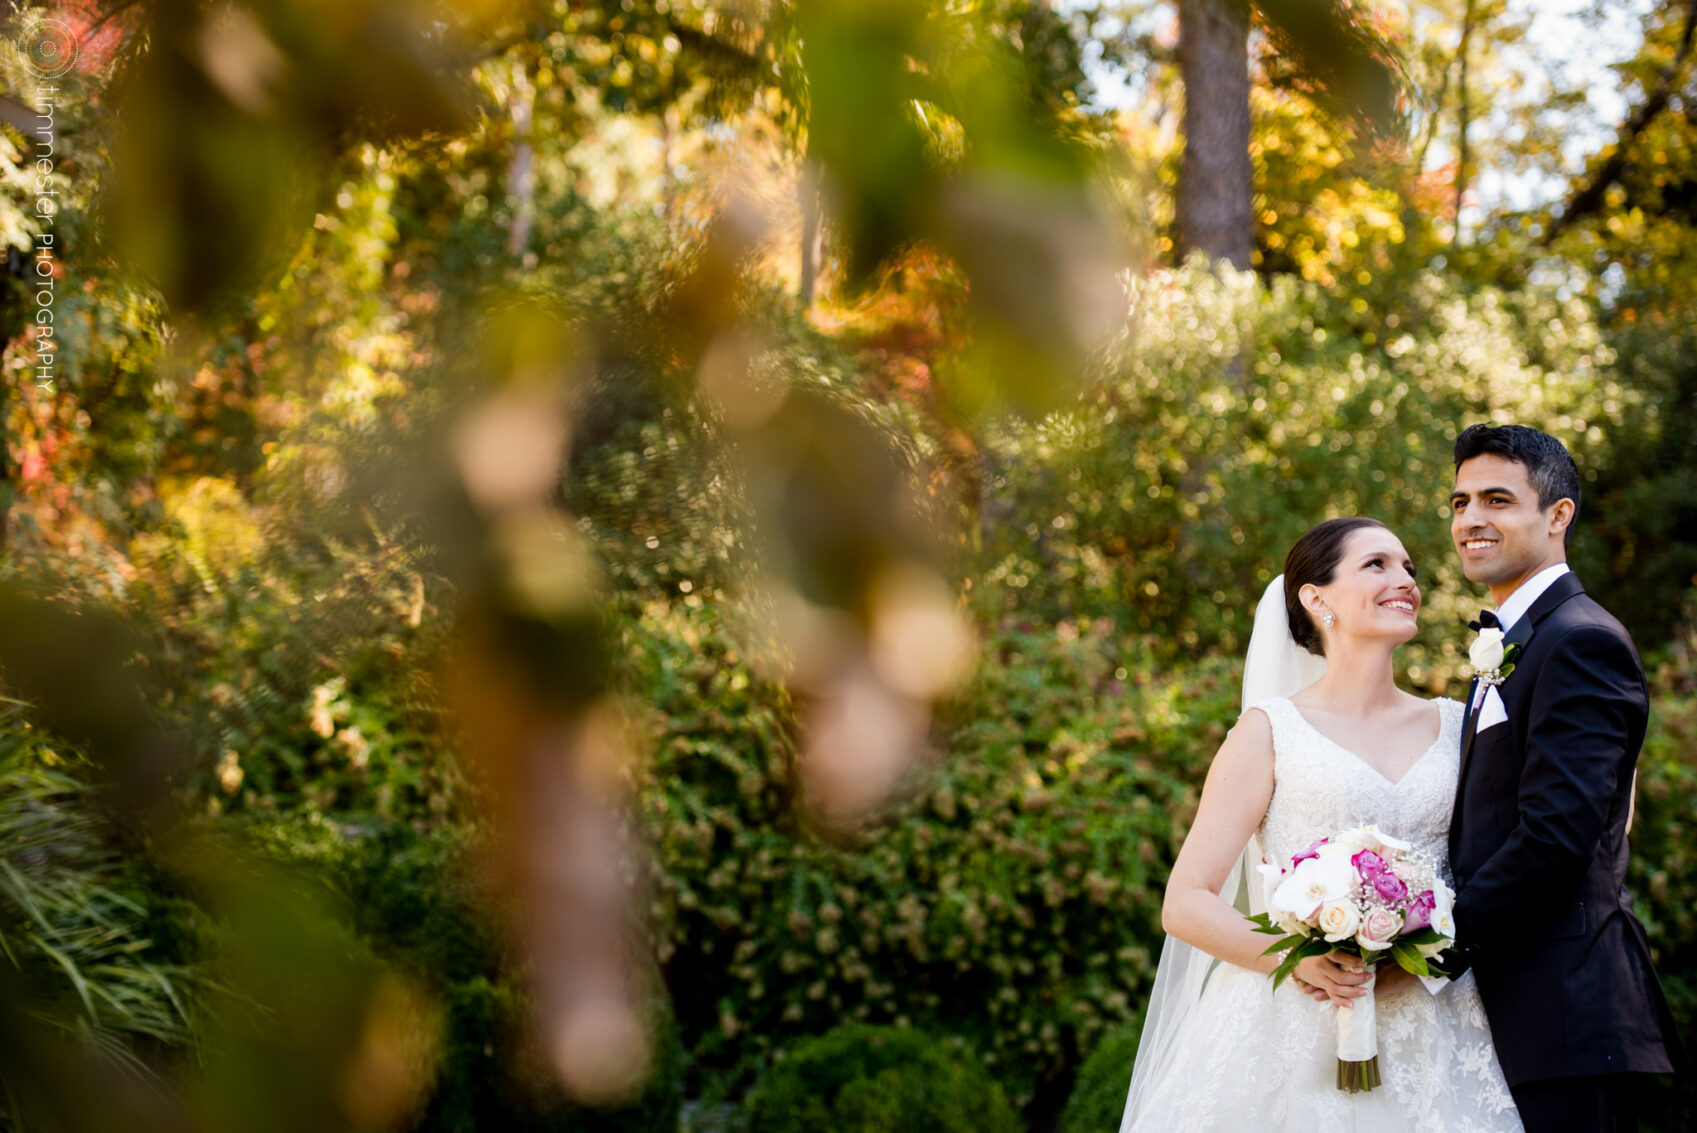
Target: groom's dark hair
<point>1548,464</point>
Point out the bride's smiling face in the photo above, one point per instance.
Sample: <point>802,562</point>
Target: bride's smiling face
<point>1373,592</point>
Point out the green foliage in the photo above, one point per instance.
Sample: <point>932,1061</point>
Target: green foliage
<point>74,918</point>
<point>1664,858</point>
<point>1012,899</point>
<point>417,902</point>
<point>296,660</point>
<point>863,1079</point>
<point>1098,1098</point>
<point>1638,520</point>
<point>1169,507</point>
<point>218,480</point>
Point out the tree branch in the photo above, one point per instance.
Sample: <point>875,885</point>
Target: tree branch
<point>1589,198</point>
<point>1463,113</point>
<point>106,17</point>
<point>16,114</point>
<point>1432,123</point>
<point>712,47</point>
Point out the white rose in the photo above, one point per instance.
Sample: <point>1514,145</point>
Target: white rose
<point>1486,652</point>
<point>1379,928</point>
<point>1339,920</point>
<point>1312,883</point>
<point>1290,924</point>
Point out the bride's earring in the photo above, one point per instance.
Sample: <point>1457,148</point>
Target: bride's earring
<point>1327,620</point>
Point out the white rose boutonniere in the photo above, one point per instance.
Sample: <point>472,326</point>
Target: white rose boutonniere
<point>1492,661</point>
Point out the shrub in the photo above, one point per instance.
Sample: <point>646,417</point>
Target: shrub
<point>1098,1100</point>
<point>415,900</point>
<point>1663,865</point>
<point>1238,415</point>
<point>1011,899</point>
<point>295,653</point>
<point>861,1079</point>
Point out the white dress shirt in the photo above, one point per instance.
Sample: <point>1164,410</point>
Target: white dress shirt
<point>1529,592</point>
<point>1508,613</point>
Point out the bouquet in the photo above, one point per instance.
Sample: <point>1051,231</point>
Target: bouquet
<point>1365,894</point>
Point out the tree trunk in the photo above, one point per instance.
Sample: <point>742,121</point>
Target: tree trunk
<point>1217,180</point>
<point>1463,113</point>
<point>8,490</point>
<point>669,182</point>
<point>521,169</point>
<point>811,234</point>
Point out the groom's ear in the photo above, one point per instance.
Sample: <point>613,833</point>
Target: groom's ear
<point>1560,516</point>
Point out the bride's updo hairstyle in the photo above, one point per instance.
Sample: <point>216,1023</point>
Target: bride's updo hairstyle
<point>1314,560</point>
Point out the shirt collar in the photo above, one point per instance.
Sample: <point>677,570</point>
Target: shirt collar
<point>1530,591</point>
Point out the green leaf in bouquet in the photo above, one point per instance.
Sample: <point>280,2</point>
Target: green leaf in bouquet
<point>1264,923</point>
<point>1420,936</point>
<point>1312,946</point>
<point>1281,945</point>
<point>1409,958</point>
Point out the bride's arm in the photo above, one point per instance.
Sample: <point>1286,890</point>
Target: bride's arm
<point>1234,800</point>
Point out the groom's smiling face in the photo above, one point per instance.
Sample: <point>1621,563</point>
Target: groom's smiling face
<point>1501,534</point>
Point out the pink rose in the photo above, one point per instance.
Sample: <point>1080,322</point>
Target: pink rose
<point>1389,886</point>
<point>1420,911</point>
<point>1368,864</point>
<point>1378,928</point>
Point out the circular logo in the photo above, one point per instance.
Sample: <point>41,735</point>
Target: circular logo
<point>49,46</point>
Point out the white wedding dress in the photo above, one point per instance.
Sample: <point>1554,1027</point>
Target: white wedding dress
<point>1251,1058</point>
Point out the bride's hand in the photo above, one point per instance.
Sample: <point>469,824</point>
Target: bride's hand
<point>1336,976</point>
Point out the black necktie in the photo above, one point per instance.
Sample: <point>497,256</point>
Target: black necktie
<point>1487,620</point>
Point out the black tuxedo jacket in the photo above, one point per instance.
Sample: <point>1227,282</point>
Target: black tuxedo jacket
<point>1538,847</point>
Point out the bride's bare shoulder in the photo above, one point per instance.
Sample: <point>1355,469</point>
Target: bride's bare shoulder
<point>1253,731</point>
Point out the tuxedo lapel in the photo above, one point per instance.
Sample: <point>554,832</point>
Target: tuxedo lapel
<point>1470,722</point>
<point>1528,625</point>
<point>1469,729</point>
<point>1559,591</point>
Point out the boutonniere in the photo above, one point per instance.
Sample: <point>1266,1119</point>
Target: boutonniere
<point>1492,661</point>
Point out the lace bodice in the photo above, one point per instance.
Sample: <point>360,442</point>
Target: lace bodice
<point>1320,788</point>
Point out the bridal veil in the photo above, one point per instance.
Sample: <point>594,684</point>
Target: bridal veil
<point>1274,666</point>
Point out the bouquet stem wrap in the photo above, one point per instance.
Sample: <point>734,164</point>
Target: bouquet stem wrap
<point>1358,1042</point>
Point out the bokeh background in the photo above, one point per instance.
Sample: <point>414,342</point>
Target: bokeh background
<point>661,565</point>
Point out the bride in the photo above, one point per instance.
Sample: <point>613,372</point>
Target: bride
<point>1327,742</point>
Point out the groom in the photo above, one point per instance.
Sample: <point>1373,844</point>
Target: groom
<point>1538,840</point>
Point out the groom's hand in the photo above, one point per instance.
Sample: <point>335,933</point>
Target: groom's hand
<point>1392,978</point>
